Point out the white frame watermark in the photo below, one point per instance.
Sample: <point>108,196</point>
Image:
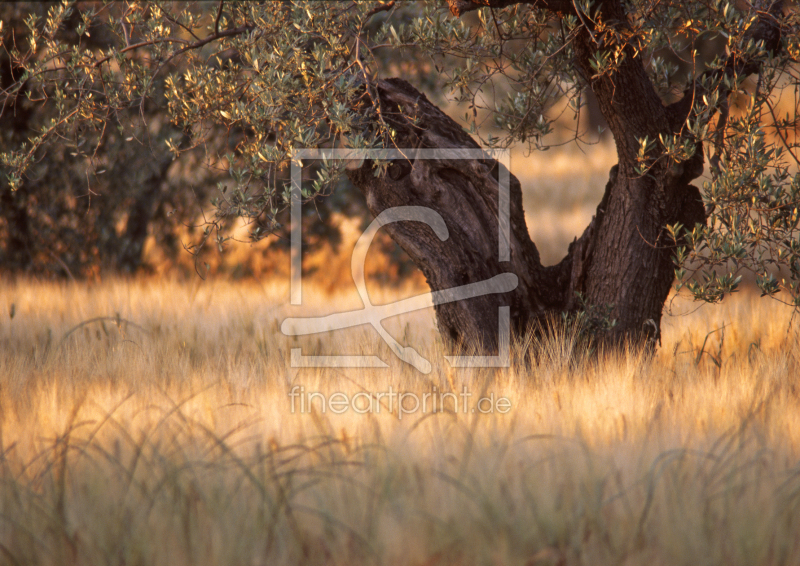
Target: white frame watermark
<point>374,314</point>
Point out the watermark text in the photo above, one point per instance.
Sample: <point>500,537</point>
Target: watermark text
<point>400,403</point>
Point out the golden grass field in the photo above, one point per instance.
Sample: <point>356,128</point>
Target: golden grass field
<point>149,422</point>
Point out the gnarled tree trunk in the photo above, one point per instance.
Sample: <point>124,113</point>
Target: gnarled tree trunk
<point>623,260</point>
<point>620,260</point>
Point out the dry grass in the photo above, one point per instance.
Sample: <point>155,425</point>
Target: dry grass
<point>163,434</point>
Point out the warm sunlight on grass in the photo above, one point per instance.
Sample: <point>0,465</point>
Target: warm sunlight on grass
<point>561,189</point>
<point>150,422</point>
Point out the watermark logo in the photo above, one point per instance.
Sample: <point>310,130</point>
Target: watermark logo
<point>375,314</point>
<point>398,403</point>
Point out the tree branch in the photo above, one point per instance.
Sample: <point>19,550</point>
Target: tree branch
<point>459,7</point>
<point>625,92</point>
<point>189,46</point>
<point>219,15</point>
<point>226,33</point>
<point>627,97</point>
<point>766,29</point>
<point>382,8</point>
<point>138,45</point>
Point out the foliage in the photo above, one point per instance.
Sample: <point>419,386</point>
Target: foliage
<point>94,189</point>
<point>246,82</point>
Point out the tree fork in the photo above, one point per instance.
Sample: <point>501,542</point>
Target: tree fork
<point>465,194</point>
<point>623,260</point>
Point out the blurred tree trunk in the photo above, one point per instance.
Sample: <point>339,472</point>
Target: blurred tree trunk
<point>14,124</point>
<point>57,223</point>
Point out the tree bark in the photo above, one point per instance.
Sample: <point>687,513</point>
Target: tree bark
<point>629,268</point>
<point>620,261</point>
<point>465,194</point>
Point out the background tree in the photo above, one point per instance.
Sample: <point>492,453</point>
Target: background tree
<point>255,80</point>
<point>96,190</point>
<point>92,194</point>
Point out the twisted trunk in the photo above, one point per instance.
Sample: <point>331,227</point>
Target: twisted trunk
<point>466,195</point>
<point>621,261</point>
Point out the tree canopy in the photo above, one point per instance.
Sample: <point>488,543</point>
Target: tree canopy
<point>681,84</point>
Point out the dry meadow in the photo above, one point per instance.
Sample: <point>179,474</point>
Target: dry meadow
<point>150,422</point>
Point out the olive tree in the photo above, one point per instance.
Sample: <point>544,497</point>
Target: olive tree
<point>685,87</point>
<point>67,219</point>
